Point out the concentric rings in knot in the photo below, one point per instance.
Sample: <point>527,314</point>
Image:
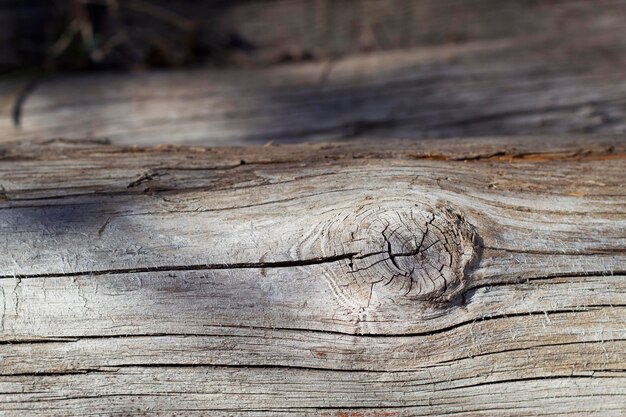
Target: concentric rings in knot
<point>401,251</point>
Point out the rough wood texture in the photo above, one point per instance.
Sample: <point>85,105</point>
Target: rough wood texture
<point>499,87</point>
<point>523,67</point>
<point>482,277</point>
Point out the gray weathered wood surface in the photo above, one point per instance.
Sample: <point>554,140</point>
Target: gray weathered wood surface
<point>454,277</point>
<point>523,67</point>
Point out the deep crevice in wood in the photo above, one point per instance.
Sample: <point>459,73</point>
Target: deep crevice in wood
<point>582,309</point>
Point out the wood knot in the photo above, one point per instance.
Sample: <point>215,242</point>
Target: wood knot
<point>401,252</point>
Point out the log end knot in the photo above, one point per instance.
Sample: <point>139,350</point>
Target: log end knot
<point>402,253</point>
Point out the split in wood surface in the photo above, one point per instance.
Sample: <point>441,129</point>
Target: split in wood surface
<point>465,277</point>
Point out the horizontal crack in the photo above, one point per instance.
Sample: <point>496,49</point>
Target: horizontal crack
<point>114,367</point>
<point>527,379</point>
<point>543,313</point>
<point>585,252</point>
<point>59,373</point>
<point>200,267</point>
<point>196,267</point>
<point>526,348</point>
<point>527,279</point>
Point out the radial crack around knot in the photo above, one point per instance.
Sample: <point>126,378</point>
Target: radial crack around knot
<point>406,253</point>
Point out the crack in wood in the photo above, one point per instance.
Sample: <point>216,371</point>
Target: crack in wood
<point>416,252</point>
<point>380,266</point>
<point>197,267</point>
<point>435,331</point>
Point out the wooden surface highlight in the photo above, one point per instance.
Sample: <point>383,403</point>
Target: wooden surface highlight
<point>455,277</point>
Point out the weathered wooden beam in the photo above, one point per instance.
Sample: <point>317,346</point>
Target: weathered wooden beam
<point>531,85</point>
<point>466,277</point>
<point>523,67</point>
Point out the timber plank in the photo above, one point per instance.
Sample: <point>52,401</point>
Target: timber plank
<point>461,277</point>
<point>564,76</point>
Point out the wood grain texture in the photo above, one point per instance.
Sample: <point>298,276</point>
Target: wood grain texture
<point>522,68</point>
<point>451,277</point>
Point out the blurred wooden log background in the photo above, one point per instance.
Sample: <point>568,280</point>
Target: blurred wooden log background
<point>301,29</point>
<point>319,70</point>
